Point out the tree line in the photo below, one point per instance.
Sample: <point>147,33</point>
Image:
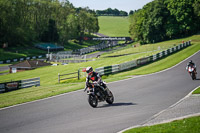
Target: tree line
<point>165,19</point>
<point>111,12</point>
<point>25,21</point>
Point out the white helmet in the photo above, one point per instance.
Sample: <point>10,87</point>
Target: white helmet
<point>89,69</point>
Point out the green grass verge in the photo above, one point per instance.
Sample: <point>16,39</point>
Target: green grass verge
<point>189,125</point>
<point>197,91</point>
<point>114,26</point>
<point>49,75</point>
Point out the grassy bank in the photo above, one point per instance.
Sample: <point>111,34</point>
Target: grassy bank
<point>189,125</point>
<point>49,75</point>
<point>114,26</point>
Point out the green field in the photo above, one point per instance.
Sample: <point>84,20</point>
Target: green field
<point>114,26</point>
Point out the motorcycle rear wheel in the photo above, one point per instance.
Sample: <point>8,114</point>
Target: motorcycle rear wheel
<point>93,101</point>
<point>193,76</point>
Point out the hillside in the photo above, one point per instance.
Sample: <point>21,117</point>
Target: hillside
<point>114,26</point>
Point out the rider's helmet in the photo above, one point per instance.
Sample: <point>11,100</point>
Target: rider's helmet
<point>190,61</point>
<point>89,70</point>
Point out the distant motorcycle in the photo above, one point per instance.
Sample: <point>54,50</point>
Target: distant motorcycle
<point>192,72</point>
<point>96,94</point>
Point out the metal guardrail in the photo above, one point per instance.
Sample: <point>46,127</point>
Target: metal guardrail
<point>139,62</point>
<point>14,85</point>
<point>127,65</point>
<point>21,59</point>
<point>30,82</point>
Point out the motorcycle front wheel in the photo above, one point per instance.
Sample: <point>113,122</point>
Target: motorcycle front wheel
<point>110,99</point>
<point>93,101</point>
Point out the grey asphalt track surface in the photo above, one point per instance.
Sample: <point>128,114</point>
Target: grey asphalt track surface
<point>136,100</point>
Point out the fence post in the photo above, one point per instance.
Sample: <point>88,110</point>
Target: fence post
<point>78,74</point>
<point>58,77</point>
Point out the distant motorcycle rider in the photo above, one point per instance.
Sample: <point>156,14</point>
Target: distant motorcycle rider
<point>96,79</point>
<point>191,64</point>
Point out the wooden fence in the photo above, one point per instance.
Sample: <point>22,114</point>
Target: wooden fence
<point>67,76</point>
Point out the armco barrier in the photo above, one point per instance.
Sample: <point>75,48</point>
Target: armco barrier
<point>21,59</point>
<point>139,62</point>
<point>143,61</point>
<point>115,68</point>
<point>30,82</point>
<point>14,85</point>
<point>100,70</point>
<point>127,65</point>
<point>9,86</point>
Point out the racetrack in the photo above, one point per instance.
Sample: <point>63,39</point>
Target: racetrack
<point>136,100</point>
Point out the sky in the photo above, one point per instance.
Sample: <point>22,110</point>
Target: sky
<point>125,5</point>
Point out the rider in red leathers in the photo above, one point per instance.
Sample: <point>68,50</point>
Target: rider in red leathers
<point>192,64</point>
<point>95,78</point>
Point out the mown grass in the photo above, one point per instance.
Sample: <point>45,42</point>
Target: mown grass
<point>114,26</point>
<point>189,125</point>
<point>197,91</point>
<point>49,75</point>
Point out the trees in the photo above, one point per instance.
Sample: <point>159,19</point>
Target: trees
<point>164,19</point>
<point>51,34</point>
<point>111,12</point>
<point>196,6</point>
<point>25,21</point>
<point>87,22</point>
<point>184,14</point>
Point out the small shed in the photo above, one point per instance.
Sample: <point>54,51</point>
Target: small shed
<point>27,65</point>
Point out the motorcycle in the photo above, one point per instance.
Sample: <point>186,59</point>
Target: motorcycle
<point>96,94</point>
<point>192,72</point>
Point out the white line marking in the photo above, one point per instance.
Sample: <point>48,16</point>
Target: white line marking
<point>163,122</point>
<point>166,121</point>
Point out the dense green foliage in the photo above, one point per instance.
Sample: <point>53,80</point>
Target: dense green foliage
<point>165,19</point>
<point>25,21</point>
<point>111,12</point>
